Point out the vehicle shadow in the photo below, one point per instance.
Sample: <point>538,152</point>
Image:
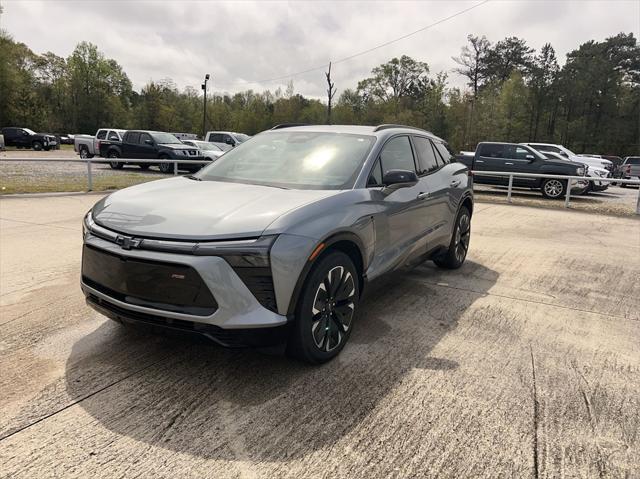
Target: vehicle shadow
<point>191,397</point>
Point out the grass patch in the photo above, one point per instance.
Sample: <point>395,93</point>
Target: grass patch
<point>25,184</point>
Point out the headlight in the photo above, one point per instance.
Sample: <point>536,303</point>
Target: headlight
<point>241,254</point>
<point>87,221</point>
<point>580,172</point>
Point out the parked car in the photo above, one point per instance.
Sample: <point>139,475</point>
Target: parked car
<point>210,151</point>
<point>516,158</point>
<point>26,138</point>
<point>599,167</point>
<point>630,169</point>
<point>185,136</point>
<point>275,241</point>
<point>88,146</point>
<point>1,142</point>
<point>229,139</point>
<point>143,144</point>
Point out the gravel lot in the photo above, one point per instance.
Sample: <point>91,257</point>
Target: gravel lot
<point>523,363</point>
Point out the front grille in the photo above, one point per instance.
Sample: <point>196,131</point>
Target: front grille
<point>164,286</point>
<point>260,282</point>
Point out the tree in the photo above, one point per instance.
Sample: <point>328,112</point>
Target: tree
<point>507,55</point>
<point>331,91</point>
<point>392,80</point>
<point>543,73</point>
<point>472,61</point>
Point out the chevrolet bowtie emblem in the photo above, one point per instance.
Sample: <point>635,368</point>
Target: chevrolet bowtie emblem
<point>128,242</point>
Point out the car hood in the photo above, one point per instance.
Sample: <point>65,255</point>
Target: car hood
<point>177,146</point>
<point>181,208</point>
<point>591,161</point>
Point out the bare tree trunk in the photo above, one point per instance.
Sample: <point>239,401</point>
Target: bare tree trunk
<point>331,91</point>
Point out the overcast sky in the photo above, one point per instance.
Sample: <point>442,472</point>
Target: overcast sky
<point>239,43</point>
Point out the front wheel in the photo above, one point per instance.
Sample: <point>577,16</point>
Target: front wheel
<point>455,255</point>
<point>553,188</point>
<point>115,165</point>
<point>165,167</point>
<point>326,310</point>
<point>37,146</point>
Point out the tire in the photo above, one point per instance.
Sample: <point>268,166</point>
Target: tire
<point>165,167</point>
<point>455,255</point>
<point>84,153</point>
<point>37,146</point>
<point>144,166</point>
<point>322,324</point>
<point>115,165</point>
<point>554,189</point>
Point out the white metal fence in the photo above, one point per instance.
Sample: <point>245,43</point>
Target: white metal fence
<point>90,161</point>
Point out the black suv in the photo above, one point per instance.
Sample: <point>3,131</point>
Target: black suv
<point>147,145</point>
<point>26,138</point>
<point>516,158</point>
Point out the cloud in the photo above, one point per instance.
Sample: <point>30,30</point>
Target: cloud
<point>241,42</point>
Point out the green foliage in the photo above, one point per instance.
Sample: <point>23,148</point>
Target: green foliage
<point>591,104</point>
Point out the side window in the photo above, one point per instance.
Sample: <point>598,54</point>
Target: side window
<point>132,138</point>
<point>521,153</point>
<point>397,155</point>
<point>144,137</point>
<point>101,135</point>
<point>217,138</point>
<point>492,150</point>
<point>228,140</point>
<point>113,136</point>
<point>445,154</point>
<point>426,156</point>
<point>375,177</point>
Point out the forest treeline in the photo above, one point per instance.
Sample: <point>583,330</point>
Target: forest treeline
<point>590,104</point>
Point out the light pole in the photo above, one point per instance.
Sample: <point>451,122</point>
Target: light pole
<point>204,116</point>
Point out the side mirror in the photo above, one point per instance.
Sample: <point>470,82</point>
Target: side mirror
<point>530,157</point>
<point>394,179</point>
<point>229,141</point>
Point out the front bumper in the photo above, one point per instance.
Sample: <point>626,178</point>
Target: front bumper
<point>236,308</point>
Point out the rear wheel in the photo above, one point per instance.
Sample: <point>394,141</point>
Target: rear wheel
<point>84,152</point>
<point>326,310</point>
<point>455,255</point>
<point>553,188</point>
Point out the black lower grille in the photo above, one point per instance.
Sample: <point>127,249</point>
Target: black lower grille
<point>164,286</point>
<point>224,337</point>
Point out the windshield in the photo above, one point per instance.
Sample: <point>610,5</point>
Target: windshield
<point>241,137</point>
<point>31,132</point>
<point>303,160</point>
<point>165,138</point>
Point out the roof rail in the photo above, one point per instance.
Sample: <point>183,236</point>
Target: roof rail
<point>288,125</point>
<point>387,126</point>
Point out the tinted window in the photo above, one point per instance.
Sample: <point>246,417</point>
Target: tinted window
<point>102,134</point>
<point>492,150</point>
<point>445,154</point>
<point>426,157</point>
<point>515,152</point>
<point>216,137</point>
<point>397,155</point>
<point>634,160</point>
<point>144,137</point>
<point>132,137</point>
<point>113,136</point>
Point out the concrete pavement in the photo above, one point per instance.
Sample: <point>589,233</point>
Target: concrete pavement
<point>525,362</point>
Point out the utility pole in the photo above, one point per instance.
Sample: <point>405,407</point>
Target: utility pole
<point>204,115</point>
<point>331,91</point>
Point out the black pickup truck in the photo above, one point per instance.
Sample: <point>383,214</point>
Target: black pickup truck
<point>516,158</point>
<point>26,138</point>
<point>148,145</point>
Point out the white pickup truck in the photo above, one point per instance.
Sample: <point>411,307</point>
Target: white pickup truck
<point>629,169</point>
<point>88,146</point>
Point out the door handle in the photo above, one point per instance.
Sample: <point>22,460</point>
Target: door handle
<point>507,163</point>
<point>479,161</point>
<point>455,183</point>
<point>422,196</point>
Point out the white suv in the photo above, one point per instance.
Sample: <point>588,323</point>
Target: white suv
<point>226,139</point>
